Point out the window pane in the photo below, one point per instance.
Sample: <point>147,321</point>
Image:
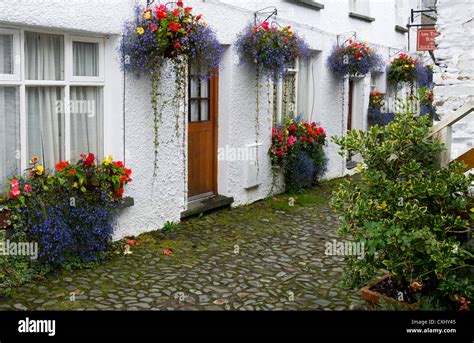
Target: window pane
<point>6,54</point>
<point>194,110</point>
<point>45,124</point>
<point>194,87</point>
<point>44,56</point>
<point>86,59</point>
<point>9,133</point>
<point>86,122</point>
<point>204,110</point>
<point>204,88</point>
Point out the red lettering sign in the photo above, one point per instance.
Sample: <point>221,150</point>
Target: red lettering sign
<point>426,39</point>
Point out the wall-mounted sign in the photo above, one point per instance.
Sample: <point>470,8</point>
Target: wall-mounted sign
<point>426,39</point>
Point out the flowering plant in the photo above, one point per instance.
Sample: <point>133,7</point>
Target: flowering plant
<point>424,75</point>
<point>163,32</point>
<point>86,176</point>
<point>402,69</point>
<point>354,58</point>
<point>297,149</point>
<point>376,99</point>
<point>68,213</point>
<point>272,49</point>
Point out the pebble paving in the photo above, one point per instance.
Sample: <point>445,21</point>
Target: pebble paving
<point>256,257</point>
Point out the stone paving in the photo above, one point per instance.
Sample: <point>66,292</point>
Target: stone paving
<point>257,257</point>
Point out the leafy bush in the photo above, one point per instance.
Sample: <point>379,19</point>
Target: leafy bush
<point>297,149</point>
<point>403,208</point>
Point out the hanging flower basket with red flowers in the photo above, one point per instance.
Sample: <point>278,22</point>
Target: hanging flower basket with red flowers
<point>162,32</point>
<point>355,59</point>
<point>272,49</point>
<point>176,34</point>
<point>402,69</point>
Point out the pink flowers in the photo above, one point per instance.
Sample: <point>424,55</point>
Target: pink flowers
<point>291,140</point>
<point>153,27</point>
<point>265,25</point>
<point>15,189</point>
<point>28,188</point>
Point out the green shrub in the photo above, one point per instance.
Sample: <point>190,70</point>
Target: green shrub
<point>402,208</point>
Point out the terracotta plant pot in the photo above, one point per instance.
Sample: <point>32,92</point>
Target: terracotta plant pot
<point>374,298</point>
<point>461,236</point>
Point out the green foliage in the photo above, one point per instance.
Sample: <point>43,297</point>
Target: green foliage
<point>169,227</point>
<point>403,206</point>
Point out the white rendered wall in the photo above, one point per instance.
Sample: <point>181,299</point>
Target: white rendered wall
<point>163,198</point>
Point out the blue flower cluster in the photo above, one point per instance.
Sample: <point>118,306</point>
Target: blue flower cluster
<point>273,50</point>
<point>424,75</point>
<point>67,225</point>
<point>205,50</point>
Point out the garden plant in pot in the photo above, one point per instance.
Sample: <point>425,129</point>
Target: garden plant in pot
<point>402,210</point>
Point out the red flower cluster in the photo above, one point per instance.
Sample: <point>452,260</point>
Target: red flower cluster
<point>88,160</point>
<point>295,136</point>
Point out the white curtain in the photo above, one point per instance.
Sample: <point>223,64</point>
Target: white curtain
<point>305,90</point>
<point>44,56</point>
<point>45,124</point>
<point>9,133</point>
<point>45,61</point>
<point>86,59</point>
<point>86,121</point>
<point>6,54</point>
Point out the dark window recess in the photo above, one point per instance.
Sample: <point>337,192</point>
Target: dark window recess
<point>361,17</point>
<point>198,109</point>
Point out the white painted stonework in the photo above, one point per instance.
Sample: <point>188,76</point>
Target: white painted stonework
<point>455,79</point>
<point>164,198</point>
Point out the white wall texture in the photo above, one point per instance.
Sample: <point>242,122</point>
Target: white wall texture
<point>163,199</point>
<point>454,81</point>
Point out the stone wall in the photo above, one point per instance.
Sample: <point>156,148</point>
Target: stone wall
<point>454,81</point>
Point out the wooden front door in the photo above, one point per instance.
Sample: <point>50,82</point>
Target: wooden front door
<point>202,140</point>
<point>351,97</point>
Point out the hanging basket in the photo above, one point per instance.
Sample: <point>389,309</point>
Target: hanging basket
<point>354,59</point>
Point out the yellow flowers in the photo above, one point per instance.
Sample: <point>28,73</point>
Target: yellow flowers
<point>287,133</point>
<point>140,30</point>
<point>383,206</point>
<point>292,121</point>
<point>108,160</point>
<point>39,170</point>
<point>366,42</point>
<point>147,15</point>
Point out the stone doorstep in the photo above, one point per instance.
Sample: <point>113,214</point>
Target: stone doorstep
<point>207,204</point>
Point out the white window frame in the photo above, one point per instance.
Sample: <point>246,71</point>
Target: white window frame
<point>69,81</point>
<point>70,46</point>
<point>16,76</point>
<point>279,90</point>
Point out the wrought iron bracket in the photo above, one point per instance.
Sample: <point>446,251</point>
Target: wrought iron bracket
<point>342,37</point>
<point>270,12</point>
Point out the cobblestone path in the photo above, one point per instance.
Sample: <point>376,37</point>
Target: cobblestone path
<point>266,256</point>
